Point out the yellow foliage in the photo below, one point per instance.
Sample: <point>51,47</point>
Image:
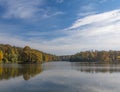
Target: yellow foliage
<point>1,55</point>
<point>1,70</point>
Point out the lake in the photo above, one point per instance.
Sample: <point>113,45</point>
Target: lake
<point>60,77</point>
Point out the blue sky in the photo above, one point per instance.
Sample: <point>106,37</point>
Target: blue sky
<point>61,26</point>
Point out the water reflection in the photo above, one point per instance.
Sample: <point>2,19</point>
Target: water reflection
<point>95,67</point>
<point>27,71</point>
<point>60,77</point>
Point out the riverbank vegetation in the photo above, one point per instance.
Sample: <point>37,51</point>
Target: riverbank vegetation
<point>96,56</point>
<point>12,54</point>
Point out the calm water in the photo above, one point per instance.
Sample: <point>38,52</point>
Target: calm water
<point>60,77</point>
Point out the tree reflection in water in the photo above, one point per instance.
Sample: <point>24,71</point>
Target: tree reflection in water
<point>8,71</point>
<point>95,67</point>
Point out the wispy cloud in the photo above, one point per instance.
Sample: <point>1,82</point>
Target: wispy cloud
<point>21,8</point>
<point>98,31</point>
<point>107,17</point>
<point>60,1</point>
<point>86,13</point>
<point>27,9</point>
<point>103,1</point>
<point>88,9</point>
<point>92,32</point>
<point>47,15</point>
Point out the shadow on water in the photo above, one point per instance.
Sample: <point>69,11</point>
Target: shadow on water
<point>28,71</point>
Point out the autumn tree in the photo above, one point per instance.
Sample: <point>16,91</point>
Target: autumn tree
<point>1,56</point>
<point>12,54</point>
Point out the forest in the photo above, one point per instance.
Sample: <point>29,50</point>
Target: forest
<point>12,54</point>
<point>97,56</point>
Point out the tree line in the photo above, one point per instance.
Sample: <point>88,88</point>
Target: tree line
<point>13,54</point>
<point>96,56</point>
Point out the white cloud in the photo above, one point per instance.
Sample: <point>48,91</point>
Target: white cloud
<point>28,9</point>
<point>98,18</point>
<point>98,31</point>
<point>21,8</point>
